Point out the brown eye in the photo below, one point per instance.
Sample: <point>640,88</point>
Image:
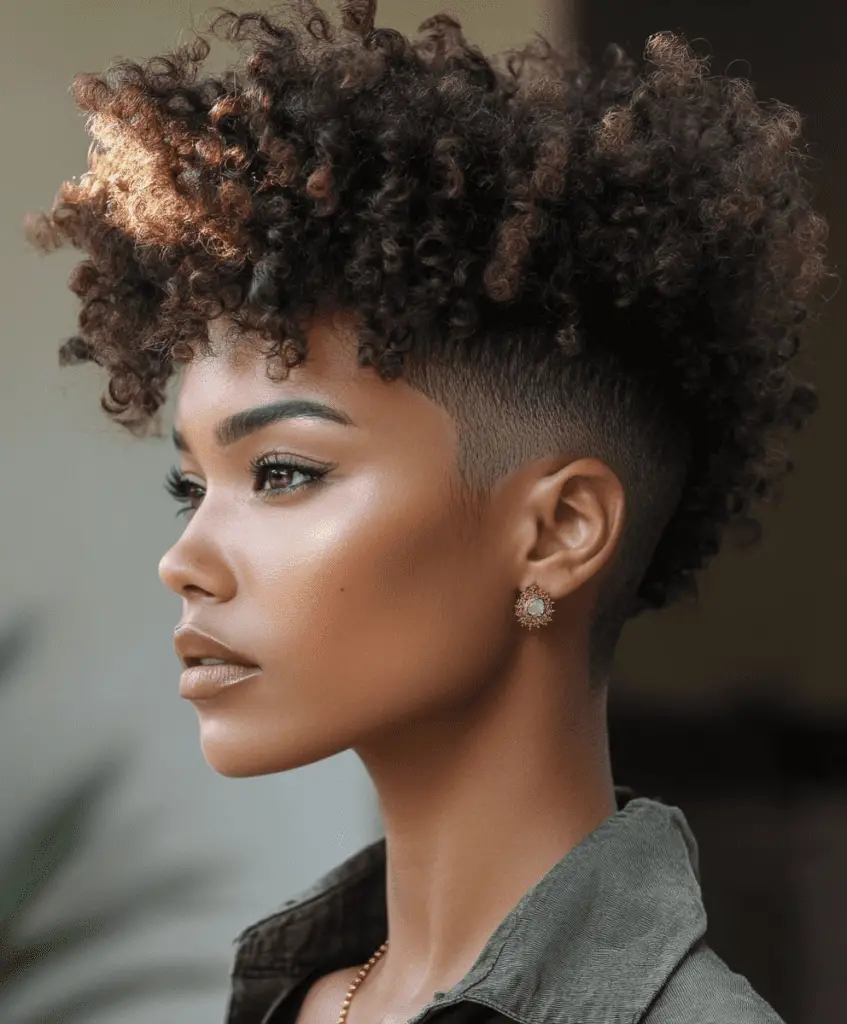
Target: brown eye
<point>282,473</point>
<point>273,475</point>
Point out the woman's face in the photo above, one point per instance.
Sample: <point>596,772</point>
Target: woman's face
<point>367,601</point>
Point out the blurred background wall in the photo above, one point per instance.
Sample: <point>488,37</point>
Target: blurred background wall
<point>85,521</point>
<point>773,615</point>
<point>735,710</point>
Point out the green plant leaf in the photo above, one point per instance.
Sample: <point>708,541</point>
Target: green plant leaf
<point>182,888</point>
<point>122,988</point>
<point>49,844</point>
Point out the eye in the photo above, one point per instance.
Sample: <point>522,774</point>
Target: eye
<point>180,488</point>
<point>267,467</point>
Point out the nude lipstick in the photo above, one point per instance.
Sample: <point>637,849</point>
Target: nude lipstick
<point>200,682</point>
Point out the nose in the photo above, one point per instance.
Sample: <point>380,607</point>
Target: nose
<point>187,576</point>
<point>175,572</point>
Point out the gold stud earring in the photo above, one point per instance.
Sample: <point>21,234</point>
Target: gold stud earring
<point>534,607</point>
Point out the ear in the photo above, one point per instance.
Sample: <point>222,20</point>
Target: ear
<point>571,523</point>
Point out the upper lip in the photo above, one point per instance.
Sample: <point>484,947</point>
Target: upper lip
<point>192,644</point>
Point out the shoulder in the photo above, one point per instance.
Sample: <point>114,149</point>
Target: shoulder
<point>705,990</point>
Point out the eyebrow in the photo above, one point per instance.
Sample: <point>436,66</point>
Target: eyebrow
<point>242,424</point>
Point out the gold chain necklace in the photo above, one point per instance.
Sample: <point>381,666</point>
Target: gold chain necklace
<point>357,981</point>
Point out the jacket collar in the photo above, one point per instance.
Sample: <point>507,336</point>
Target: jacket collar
<point>592,942</point>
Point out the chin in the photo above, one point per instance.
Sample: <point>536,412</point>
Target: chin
<point>243,756</point>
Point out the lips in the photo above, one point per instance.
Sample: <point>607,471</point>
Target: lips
<point>203,682</point>
<point>193,644</point>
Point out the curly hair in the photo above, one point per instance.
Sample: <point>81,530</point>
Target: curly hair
<point>613,261</point>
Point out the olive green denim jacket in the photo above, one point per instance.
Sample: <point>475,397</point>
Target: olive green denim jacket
<point>614,933</point>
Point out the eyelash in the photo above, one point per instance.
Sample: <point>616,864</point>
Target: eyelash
<point>180,487</point>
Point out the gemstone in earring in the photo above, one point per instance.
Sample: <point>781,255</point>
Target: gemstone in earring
<point>534,607</point>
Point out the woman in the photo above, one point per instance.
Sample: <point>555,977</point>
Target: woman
<point>478,361</point>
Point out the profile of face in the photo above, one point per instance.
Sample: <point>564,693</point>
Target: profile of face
<point>353,580</point>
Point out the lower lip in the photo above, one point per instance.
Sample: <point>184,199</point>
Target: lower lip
<point>200,682</point>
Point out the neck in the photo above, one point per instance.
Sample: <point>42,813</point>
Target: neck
<point>477,806</point>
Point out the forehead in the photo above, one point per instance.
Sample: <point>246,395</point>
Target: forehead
<point>237,365</point>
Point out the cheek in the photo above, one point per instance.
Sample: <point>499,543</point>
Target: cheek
<point>413,620</point>
<point>380,608</point>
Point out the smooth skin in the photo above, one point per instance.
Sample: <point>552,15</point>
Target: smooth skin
<point>382,617</point>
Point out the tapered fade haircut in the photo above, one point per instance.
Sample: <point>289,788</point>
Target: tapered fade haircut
<point>574,260</point>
